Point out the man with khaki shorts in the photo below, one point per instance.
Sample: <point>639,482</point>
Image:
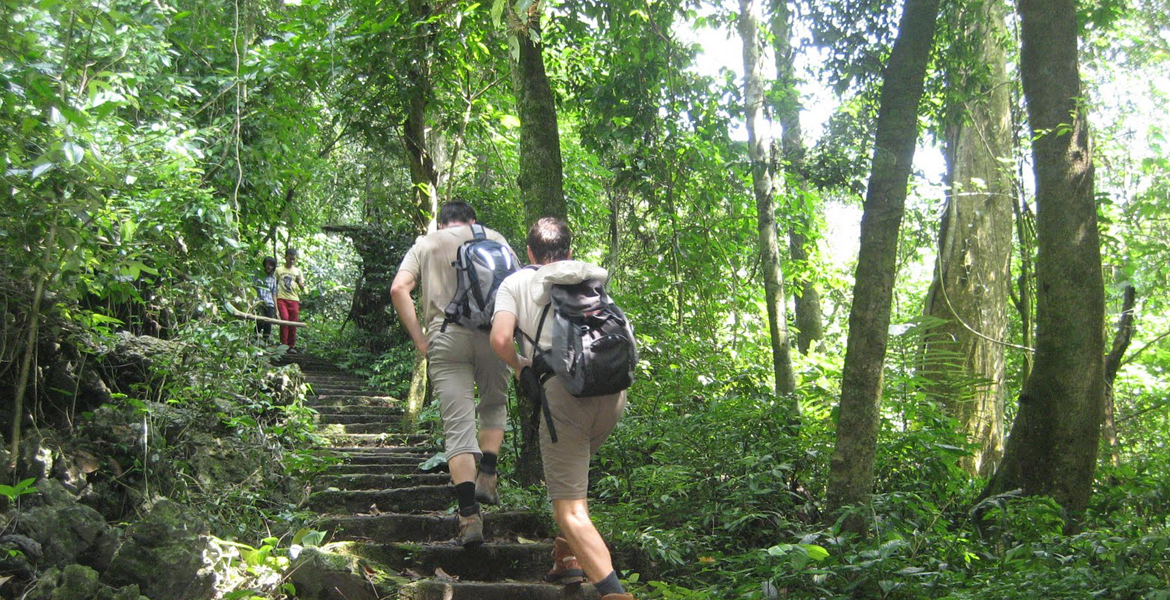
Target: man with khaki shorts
<point>459,361</point>
<point>581,424</point>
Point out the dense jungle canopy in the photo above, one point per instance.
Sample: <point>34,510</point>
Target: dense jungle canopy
<point>898,272</point>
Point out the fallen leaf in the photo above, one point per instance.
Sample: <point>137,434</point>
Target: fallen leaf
<point>4,579</point>
<point>523,540</point>
<point>87,462</point>
<point>442,575</point>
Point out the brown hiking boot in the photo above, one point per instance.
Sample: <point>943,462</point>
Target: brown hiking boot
<point>566,570</point>
<point>485,489</point>
<point>470,530</point>
<point>618,597</point>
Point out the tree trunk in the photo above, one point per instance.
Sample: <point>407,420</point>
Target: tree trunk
<point>759,151</point>
<point>540,182</point>
<point>541,172</point>
<point>1052,449</point>
<point>852,462</point>
<point>809,321</point>
<point>423,177</point>
<point>1121,340</point>
<point>972,275</point>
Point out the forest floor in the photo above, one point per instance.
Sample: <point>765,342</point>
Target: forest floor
<point>379,505</point>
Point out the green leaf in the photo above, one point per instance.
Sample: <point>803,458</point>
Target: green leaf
<point>815,552</point>
<point>497,11</point>
<point>73,153</point>
<point>41,169</point>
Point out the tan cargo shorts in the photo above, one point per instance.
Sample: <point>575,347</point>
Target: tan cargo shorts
<point>460,361</point>
<point>582,425</point>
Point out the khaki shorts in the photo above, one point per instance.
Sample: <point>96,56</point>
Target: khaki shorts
<point>582,424</point>
<point>459,361</point>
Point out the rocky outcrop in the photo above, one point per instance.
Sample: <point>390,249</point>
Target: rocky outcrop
<point>170,536</point>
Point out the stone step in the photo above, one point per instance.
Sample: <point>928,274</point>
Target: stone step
<point>387,460</point>
<point>359,410</point>
<point>378,440</point>
<point>347,387</point>
<point>434,589</point>
<point>487,562</point>
<point>418,499</point>
<point>505,526</point>
<point>331,399</point>
<point>335,378</point>
<point>381,481</point>
<point>359,415</point>
<point>378,427</point>
<point>376,469</point>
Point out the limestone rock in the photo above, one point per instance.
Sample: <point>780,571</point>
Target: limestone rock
<point>67,531</point>
<point>322,575</point>
<point>170,535</point>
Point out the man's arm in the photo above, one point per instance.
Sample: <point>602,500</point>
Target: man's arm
<point>503,328</point>
<point>404,283</point>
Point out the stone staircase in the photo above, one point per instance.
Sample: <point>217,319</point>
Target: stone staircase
<point>409,534</point>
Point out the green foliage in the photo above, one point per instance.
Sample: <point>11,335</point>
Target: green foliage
<point>13,492</point>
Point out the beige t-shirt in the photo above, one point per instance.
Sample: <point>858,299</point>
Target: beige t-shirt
<point>525,293</point>
<point>429,260</point>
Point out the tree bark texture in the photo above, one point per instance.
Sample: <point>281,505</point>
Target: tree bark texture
<point>423,177</point>
<point>763,177</point>
<point>541,172</point>
<point>851,465</point>
<point>1052,449</point>
<point>972,275</point>
<point>808,317</point>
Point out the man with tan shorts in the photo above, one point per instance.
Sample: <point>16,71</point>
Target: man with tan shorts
<point>460,360</point>
<point>581,424</point>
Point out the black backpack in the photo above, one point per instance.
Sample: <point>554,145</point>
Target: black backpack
<point>593,347</point>
<point>480,265</point>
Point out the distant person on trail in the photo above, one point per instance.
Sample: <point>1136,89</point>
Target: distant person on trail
<point>581,424</point>
<point>289,282</point>
<point>459,356</point>
<point>266,291</point>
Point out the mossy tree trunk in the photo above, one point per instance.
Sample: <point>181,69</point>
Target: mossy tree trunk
<point>760,149</point>
<point>541,179</point>
<point>1052,449</point>
<point>852,462</point>
<point>787,106</point>
<point>972,276</point>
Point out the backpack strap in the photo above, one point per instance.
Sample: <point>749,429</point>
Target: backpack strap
<point>478,231</point>
<point>543,372</point>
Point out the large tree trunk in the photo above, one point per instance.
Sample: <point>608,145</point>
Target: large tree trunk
<point>809,320</point>
<point>1052,449</point>
<point>763,176</point>
<point>423,178</point>
<point>540,182</point>
<point>541,171</point>
<point>972,276</point>
<point>852,462</point>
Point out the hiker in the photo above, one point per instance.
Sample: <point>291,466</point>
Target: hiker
<point>459,356</point>
<point>266,291</point>
<point>579,425</point>
<point>290,282</point>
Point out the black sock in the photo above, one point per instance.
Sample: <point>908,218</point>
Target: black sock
<point>487,464</point>
<point>465,493</point>
<point>609,585</point>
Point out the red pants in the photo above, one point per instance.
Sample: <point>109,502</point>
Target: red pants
<point>290,310</point>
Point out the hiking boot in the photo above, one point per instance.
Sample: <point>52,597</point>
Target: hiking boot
<point>485,489</point>
<point>470,530</point>
<point>618,597</point>
<point>566,570</point>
